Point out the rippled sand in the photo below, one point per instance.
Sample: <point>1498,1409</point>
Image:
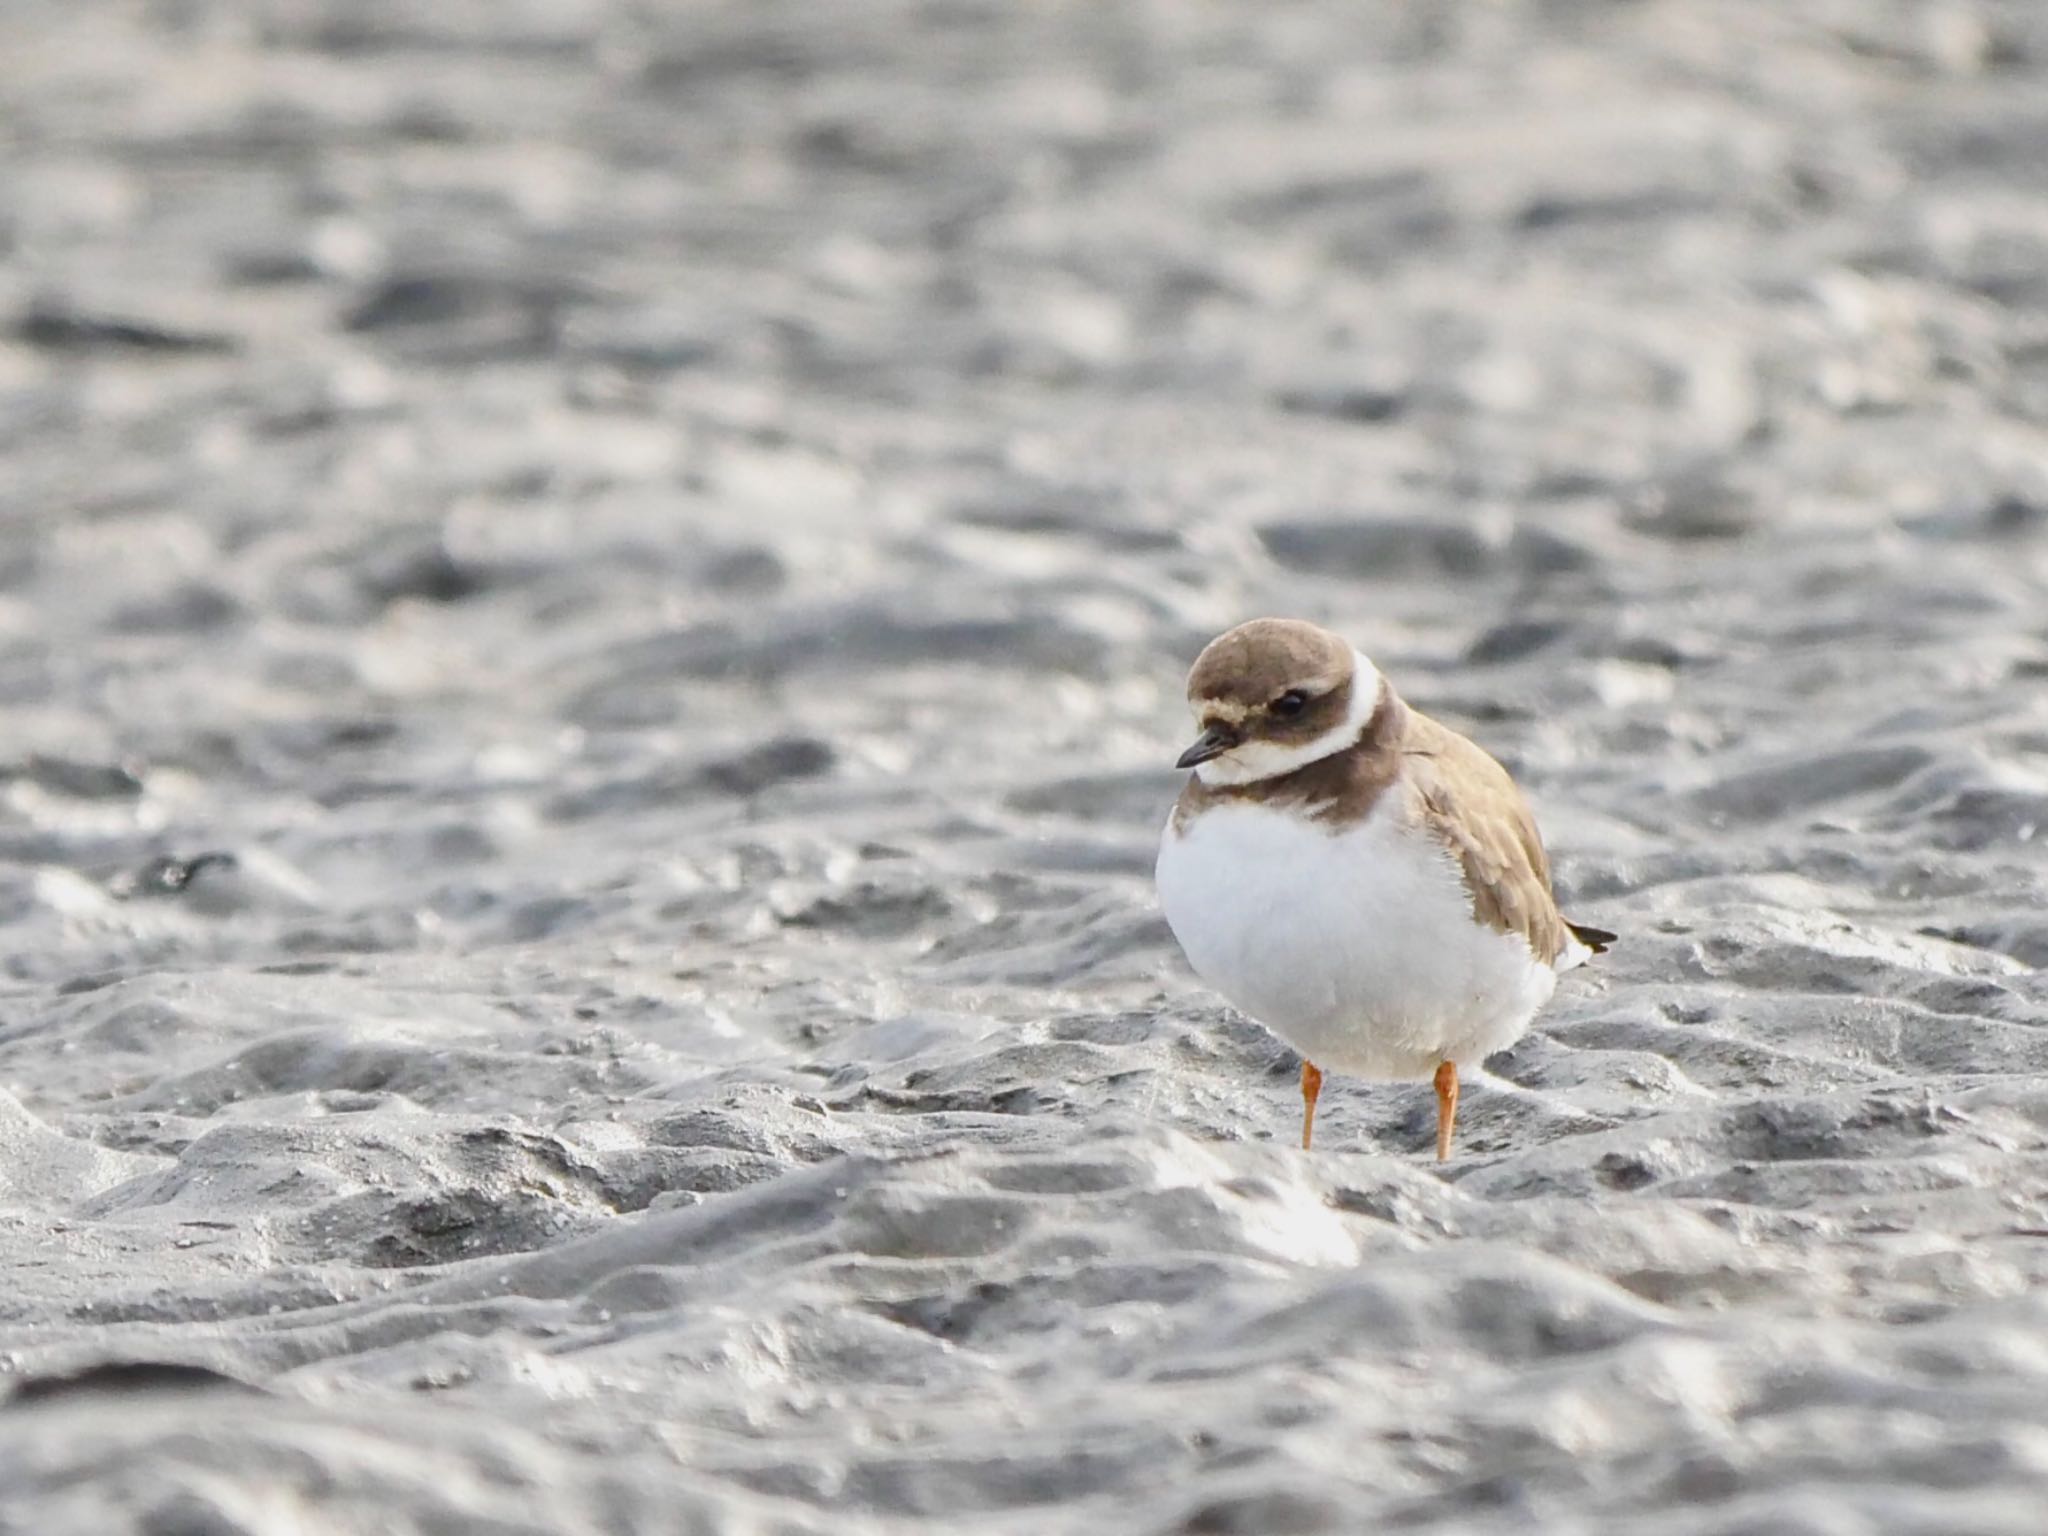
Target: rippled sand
<point>661,543</point>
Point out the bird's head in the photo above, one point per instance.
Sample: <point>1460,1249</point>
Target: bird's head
<point>1272,696</point>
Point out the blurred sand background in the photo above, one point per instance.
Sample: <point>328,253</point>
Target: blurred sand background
<point>661,542</point>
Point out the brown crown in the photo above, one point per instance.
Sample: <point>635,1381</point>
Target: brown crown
<point>1251,664</point>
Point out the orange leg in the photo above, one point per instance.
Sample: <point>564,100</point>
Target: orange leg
<point>1446,1108</point>
<point>1311,1085</point>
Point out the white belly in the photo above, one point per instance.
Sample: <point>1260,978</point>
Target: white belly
<point>1359,948</point>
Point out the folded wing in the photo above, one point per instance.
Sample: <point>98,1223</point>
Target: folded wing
<point>1471,806</point>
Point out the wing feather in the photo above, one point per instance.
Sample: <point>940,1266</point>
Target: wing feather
<point>1473,808</point>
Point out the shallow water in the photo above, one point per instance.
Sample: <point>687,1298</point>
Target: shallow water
<point>661,543</point>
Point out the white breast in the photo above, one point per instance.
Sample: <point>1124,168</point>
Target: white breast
<point>1358,947</point>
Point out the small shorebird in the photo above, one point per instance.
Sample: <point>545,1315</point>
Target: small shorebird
<point>1363,881</point>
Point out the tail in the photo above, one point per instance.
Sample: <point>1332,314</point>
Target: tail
<point>1595,939</point>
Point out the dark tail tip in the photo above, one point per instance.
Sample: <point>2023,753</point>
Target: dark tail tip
<point>1595,939</point>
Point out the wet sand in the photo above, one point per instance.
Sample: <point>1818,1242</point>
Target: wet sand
<point>592,603</point>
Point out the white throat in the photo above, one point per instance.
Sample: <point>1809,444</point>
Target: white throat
<point>1257,760</point>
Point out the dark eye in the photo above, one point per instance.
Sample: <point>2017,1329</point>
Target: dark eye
<point>1289,704</point>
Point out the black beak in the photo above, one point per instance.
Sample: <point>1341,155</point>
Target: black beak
<point>1214,742</point>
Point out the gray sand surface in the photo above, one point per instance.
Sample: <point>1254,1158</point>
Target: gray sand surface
<point>661,540</point>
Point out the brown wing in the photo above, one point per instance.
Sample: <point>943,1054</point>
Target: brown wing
<point>1471,805</point>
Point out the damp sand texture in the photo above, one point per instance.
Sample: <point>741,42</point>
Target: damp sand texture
<point>662,543</point>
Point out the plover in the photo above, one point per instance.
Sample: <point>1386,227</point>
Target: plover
<point>1360,879</point>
